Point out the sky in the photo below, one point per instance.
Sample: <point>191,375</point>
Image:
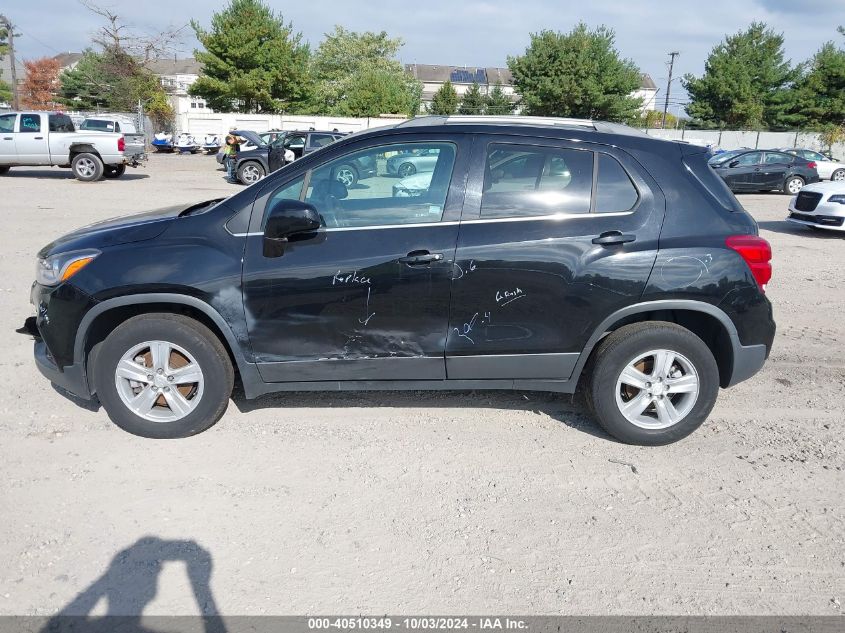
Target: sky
<point>468,32</point>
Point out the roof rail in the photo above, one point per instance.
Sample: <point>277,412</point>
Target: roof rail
<point>516,119</point>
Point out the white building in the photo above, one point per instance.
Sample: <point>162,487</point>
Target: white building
<point>176,76</point>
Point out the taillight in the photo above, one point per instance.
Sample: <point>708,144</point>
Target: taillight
<point>757,253</point>
<point>121,144</point>
<point>811,164</point>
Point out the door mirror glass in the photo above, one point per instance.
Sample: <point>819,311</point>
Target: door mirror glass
<point>289,217</point>
<point>733,163</point>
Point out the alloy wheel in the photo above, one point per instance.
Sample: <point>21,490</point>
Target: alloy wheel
<point>346,177</point>
<point>85,167</point>
<point>795,185</point>
<point>251,174</point>
<point>657,389</point>
<point>159,381</point>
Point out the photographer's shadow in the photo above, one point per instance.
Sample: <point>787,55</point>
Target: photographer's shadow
<point>131,583</point>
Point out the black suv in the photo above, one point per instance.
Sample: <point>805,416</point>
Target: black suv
<point>536,254</point>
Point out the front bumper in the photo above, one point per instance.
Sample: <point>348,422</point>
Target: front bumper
<point>71,378</point>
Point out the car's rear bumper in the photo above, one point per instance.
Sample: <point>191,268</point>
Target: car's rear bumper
<point>747,361</point>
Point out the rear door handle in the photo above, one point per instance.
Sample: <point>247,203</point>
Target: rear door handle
<point>39,138</point>
<point>417,258</point>
<point>8,138</point>
<point>609,238</point>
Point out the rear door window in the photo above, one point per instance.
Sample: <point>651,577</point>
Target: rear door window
<point>61,123</point>
<point>778,158</point>
<point>320,140</point>
<point>536,181</point>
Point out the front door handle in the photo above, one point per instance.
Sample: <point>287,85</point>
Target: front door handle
<point>39,138</point>
<point>417,258</point>
<point>8,138</point>
<point>610,238</point>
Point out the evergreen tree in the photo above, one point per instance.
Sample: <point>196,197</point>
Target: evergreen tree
<point>445,100</point>
<point>576,74</point>
<point>473,101</point>
<point>818,99</point>
<point>498,102</point>
<point>252,61</point>
<point>745,81</point>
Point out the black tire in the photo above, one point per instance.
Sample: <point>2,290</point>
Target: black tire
<point>347,175</point>
<point>406,169</point>
<point>192,336</point>
<point>4,169</point>
<point>624,345</point>
<point>790,179</point>
<point>87,167</point>
<point>250,172</point>
<point>114,171</point>
<point>838,175</point>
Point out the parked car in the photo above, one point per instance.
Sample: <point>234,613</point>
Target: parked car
<point>412,162</point>
<point>253,164</point>
<point>764,170</point>
<point>828,168</point>
<point>135,143</point>
<point>627,267</point>
<point>50,138</point>
<point>820,206</point>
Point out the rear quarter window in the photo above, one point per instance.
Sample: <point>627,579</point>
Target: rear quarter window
<point>696,165</point>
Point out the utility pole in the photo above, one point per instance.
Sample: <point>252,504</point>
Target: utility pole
<point>10,33</point>
<point>672,57</point>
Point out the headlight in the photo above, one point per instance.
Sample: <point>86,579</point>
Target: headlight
<point>53,270</point>
<point>837,198</point>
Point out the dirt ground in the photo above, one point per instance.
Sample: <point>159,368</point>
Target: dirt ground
<point>421,502</point>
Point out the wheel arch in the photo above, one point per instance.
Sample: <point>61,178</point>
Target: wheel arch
<point>708,322</point>
<point>107,315</point>
<point>83,148</point>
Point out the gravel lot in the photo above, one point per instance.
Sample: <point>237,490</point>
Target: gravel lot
<point>422,502</point>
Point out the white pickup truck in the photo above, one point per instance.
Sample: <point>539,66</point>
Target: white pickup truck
<point>135,143</point>
<point>49,138</point>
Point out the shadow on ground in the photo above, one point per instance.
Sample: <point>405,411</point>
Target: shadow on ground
<point>63,174</point>
<point>564,408</point>
<point>131,582</point>
<point>788,228</point>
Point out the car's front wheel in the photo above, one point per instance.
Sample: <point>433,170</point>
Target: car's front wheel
<point>406,169</point>
<point>347,175</point>
<point>250,172</point>
<point>652,383</point>
<point>793,185</point>
<point>163,376</point>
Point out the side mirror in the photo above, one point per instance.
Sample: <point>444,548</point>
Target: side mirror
<point>289,217</point>
<point>733,163</point>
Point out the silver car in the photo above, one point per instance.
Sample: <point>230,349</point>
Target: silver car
<point>414,162</point>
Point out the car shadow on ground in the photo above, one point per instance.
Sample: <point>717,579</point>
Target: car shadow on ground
<point>563,408</point>
<point>789,228</point>
<point>131,583</point>
<point>65,174</point>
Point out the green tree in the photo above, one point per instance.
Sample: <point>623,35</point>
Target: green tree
<point>745,81</point>
<point>357,74</point>
<point>5,89</point>
<point>576,74</point>
<point>473,101</point>
<point>445,100</point>
<point>252,61</point>
<point>818,98</point>
<point>498,102</point>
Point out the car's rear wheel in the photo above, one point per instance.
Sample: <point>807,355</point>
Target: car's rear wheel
<point>163,376</point>
<point>838,175</point>
<point>87,167</point>
<point>407,169</point>
<point>652,383</point>
<point>114,171</point>
<point>250,172</point>
<point>793,185</point>
<point>347,175</point>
